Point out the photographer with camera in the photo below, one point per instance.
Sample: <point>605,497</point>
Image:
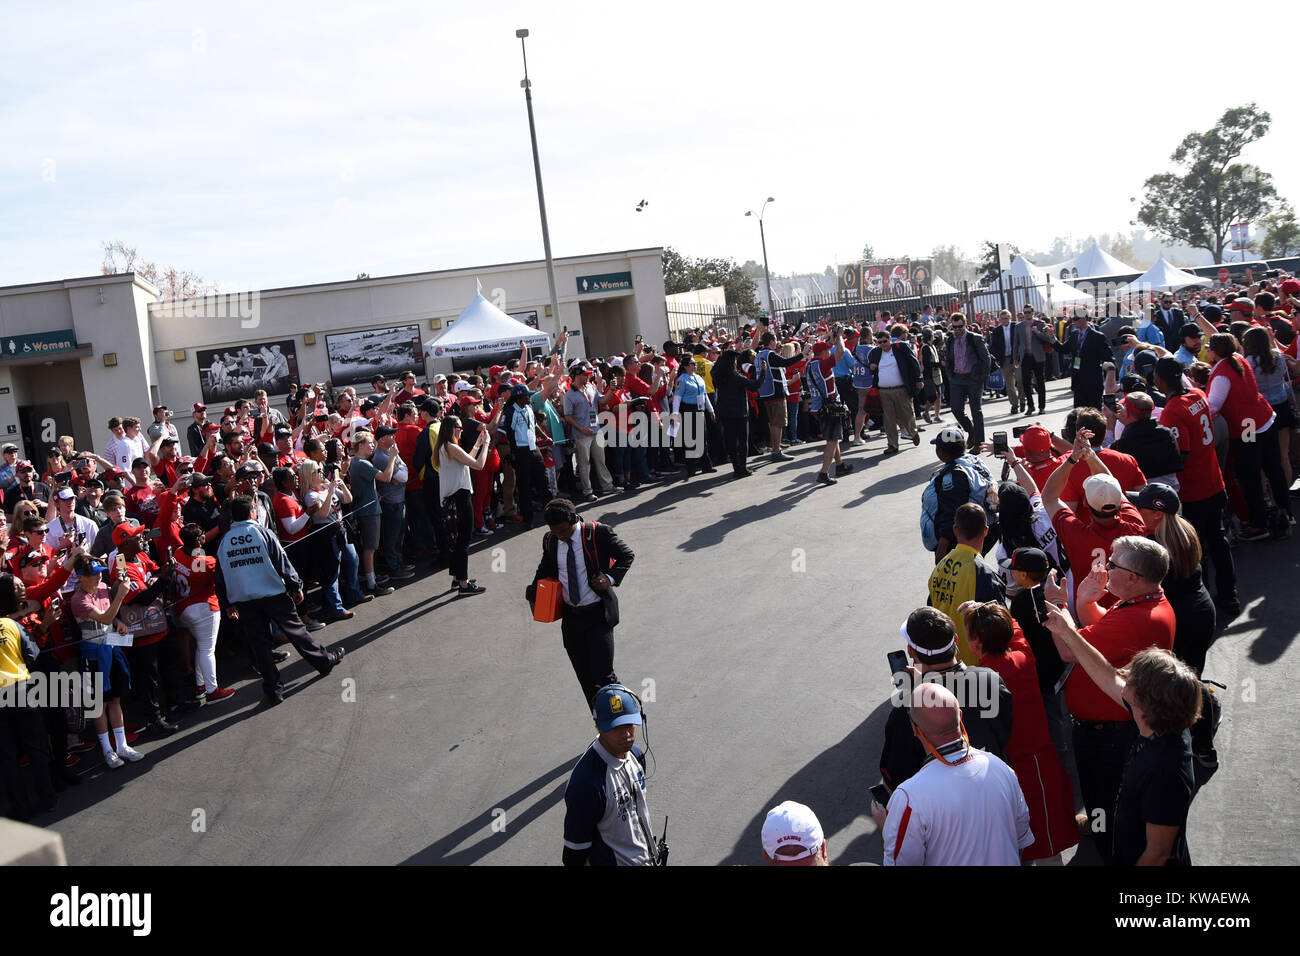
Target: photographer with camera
<point>161,426</point>
<point>832,414</point>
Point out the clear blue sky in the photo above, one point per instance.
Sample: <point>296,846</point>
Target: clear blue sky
<point>267,144</point>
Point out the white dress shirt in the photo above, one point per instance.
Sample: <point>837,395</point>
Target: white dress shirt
<point>585,593</point>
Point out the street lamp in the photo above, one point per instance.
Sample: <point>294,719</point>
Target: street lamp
<point>537,168</point>
<point>767,276</point>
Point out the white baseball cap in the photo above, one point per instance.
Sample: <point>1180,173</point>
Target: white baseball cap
<point>461,387</point>
<point>791,824</point>
<point>1102,491</point>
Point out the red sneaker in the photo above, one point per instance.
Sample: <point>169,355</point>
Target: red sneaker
<point>221,693</point>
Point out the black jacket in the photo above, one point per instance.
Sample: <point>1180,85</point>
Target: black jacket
<point>612,556</point>
<point>902,754</point>
<point>732,391</point>
<point>195,438</point>
<point>1092,354</point>
<point>979,360</point>
<point>1153,445</point>
<point>908,366</point>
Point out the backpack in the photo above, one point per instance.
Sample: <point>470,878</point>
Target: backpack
<point>1205,759</point>
<point>979,479</point>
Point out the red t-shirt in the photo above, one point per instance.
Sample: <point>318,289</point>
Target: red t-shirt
<point>1123,467</point>
<point>1188,416</point>
<point>406,437</point>
<point>287,507</point>
<point>196,587</point>
<point>1125,629</point>
<point>141,502</point>
<point>1040,471</point>
<point>1086,541</point>
<point>169,509</point>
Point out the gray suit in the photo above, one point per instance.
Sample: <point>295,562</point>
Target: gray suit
<point>1033,360</point>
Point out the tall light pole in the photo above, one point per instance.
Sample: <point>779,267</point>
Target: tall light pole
<point>537,168</point>
<point>767,276</point>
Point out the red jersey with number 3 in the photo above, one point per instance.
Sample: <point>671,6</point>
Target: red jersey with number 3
<point>196,587</point>
<point>1188,416</point>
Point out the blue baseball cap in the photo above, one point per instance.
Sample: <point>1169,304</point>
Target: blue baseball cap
<point>95,568</point>
<point>615,706</point>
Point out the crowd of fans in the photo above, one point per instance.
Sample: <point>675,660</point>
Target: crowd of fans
<point>1077,588</point>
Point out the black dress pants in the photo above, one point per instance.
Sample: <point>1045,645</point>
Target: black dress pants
<point>462,500</point>
<point>589,642</point>
<point>1100,752</point>
<point>1031,371</point>
<point>257,616</point>
<point>735,437</point>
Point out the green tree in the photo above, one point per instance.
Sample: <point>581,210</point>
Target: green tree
<point>684,274</point>
<point>988,264</point>
<point>1211,191</point>
<point>1281,235</point>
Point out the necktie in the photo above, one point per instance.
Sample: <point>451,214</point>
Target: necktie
<point>573,575</point>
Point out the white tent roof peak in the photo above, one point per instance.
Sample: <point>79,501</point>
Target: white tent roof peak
<point>1093,261</point>
<point>1163,277</point>
<point>482,327</point>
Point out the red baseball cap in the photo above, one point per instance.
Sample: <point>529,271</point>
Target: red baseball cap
<point>126,530</point>
<point>821,347</point>
<point>200,407</point>
<point>1036,438</point>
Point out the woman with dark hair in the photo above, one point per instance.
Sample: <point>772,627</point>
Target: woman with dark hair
<point>197,610</point>
<point>1023,522</point>
<point>733,388</point>
<point>1252,431</point>
<point>998,644</point>
<point>1274,384</point>
<point>457,488</point>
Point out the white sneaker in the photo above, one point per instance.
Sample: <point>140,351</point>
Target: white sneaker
<point>127,752</point>
<point>113,760</point>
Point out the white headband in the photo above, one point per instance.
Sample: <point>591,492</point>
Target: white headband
<point>926,650</point>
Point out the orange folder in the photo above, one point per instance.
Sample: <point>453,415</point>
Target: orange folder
<point>549,602</point>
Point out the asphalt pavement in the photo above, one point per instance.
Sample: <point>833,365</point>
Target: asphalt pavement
<point>756,619</point>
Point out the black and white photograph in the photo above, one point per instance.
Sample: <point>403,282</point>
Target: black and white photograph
<point>357,357</point>
<point>237,371</point>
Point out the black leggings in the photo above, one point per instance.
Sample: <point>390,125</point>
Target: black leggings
<point>735,437</point>
<point>463,501</point>
<point>1206,516</point>
<point>1249,459</point>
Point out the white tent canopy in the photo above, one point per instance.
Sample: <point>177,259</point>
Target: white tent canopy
<point>482,327</point>
<point>940,287</point>
<point>1093,261</point>
<point>1162,277</point>
<point>1032,284</point>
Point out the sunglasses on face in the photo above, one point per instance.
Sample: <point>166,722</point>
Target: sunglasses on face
<point>1110,564</point>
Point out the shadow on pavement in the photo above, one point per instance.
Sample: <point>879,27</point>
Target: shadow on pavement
<point>443,852</point>
<point>834,785</point>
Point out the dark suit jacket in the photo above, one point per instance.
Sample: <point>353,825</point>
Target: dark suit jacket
<point>980,364</point>
<point>998,344</point>
<point>1171,328</point>
<point>1094,352</point>
<point>613,558</point>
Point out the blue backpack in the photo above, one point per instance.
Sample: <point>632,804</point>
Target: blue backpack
<point>979,479</point>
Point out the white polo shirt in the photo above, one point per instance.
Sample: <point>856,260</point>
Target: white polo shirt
<point>969,814</point>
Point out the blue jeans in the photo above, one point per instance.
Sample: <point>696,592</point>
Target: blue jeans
<point>792,422</point>
<point>418,525</point>
<point>394,521</point>
<point>348,586</point>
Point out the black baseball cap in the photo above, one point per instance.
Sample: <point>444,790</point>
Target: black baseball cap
<point>1033,560</point>
<point>1191,330</point>
<point>1157,496</point>
<point>383,431</point>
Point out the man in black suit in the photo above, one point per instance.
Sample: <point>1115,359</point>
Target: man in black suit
<point>1006,345</point>
<point>1169,321</point>
<point>966,362</point>
<point>1085,351</point>
<point>589,560</point>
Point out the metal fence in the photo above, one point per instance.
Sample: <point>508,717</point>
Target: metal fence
<point>681,321</point>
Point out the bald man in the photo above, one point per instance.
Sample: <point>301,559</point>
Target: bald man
<point>964,807</point>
